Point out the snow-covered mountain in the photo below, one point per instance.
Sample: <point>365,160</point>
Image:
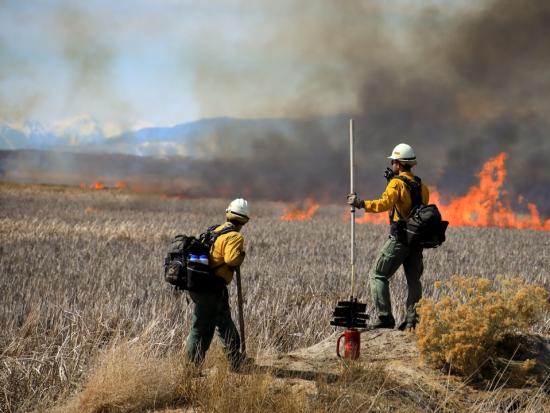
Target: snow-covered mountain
<point>11,138</point>
<point>86,134</point>
<point>200,139</point>
<point>84,130</point>
<point>65,134</point>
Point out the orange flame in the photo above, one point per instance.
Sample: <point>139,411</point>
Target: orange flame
<point>90,210</point>
<point>97,185</point>
<point>296,213</point>
<point>482,206</point>
<point>371,218</point>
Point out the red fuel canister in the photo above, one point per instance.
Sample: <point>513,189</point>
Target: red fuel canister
<point>352,344</point>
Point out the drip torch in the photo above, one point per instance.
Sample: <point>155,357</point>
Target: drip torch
<point>350,314</point>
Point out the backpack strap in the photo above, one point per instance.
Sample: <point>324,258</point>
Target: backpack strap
<point>210,235</point>
<point>415,190</point>
<point>212,227</point>
<point>229,228</point>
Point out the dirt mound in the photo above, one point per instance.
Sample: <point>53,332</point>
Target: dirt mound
<point>390,376</point>
<point>396,351</point>
<point>390,362</point>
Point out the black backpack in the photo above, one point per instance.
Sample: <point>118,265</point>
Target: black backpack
<point>184,274</point>
<point>424,226</point>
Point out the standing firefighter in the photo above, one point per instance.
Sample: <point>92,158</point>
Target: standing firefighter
<point>398,200</point>
<point>212,307</point>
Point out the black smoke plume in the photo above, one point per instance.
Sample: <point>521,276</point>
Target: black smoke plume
<point>475,88</point>
<point>466,86</point>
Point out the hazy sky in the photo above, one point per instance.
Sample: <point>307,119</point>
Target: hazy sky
<point>170,61</point>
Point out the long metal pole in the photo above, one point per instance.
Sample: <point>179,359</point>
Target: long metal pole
<point>241,314</point>
<point>352,210</point>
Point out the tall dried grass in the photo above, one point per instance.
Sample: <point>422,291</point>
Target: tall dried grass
<point>129,378</point>
<point>74,282</point>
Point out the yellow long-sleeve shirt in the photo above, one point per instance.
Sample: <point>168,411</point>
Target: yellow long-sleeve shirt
<point>396,195</point>
<point>226,253</point>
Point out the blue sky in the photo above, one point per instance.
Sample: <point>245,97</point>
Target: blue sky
<point>170,61</point>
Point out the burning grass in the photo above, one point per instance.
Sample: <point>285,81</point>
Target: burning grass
<point>305,213</point>
<point>75,284</point>
<point>485,205</point>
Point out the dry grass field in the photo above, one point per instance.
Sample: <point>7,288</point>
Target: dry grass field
<point>88,324</point>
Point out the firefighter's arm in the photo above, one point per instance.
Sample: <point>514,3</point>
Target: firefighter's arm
<point>386,201</point>
<point>234,253</point>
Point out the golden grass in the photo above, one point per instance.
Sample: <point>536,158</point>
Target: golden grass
<point>74,284</point>
<point>129,378</point>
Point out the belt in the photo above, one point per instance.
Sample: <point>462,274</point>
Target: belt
<point>397,231</point>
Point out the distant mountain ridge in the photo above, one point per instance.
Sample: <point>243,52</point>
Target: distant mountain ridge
<point>283,158</point>
<point>80,134</point>
<point>199,139</point>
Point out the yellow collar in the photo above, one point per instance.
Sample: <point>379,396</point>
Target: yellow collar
<point>407,174</point>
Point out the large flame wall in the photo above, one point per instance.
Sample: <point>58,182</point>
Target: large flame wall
<point>486,204</point>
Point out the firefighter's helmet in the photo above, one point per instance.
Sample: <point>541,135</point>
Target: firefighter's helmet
<point>238,211</point>
<point>403,153</point>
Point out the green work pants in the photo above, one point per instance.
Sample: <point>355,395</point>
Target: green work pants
<point>212,312</point>
<point>393,254</point>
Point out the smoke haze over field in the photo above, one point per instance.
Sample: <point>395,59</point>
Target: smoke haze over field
<point>460,81</point>
<point>175,61</point>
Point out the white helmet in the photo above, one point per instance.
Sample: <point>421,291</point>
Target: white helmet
<point>238,211</point>
<point>403,153</point>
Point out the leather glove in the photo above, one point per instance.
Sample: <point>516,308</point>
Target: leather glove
<point>355,201</point>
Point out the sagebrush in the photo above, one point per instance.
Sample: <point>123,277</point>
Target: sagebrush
<point>461,328</point>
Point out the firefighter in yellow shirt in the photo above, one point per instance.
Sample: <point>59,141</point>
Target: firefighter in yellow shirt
<point>212,311</point>
<point>397,200</point>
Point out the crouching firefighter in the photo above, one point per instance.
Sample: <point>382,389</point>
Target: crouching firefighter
<point>396,251</point>
<point>212,310</point>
